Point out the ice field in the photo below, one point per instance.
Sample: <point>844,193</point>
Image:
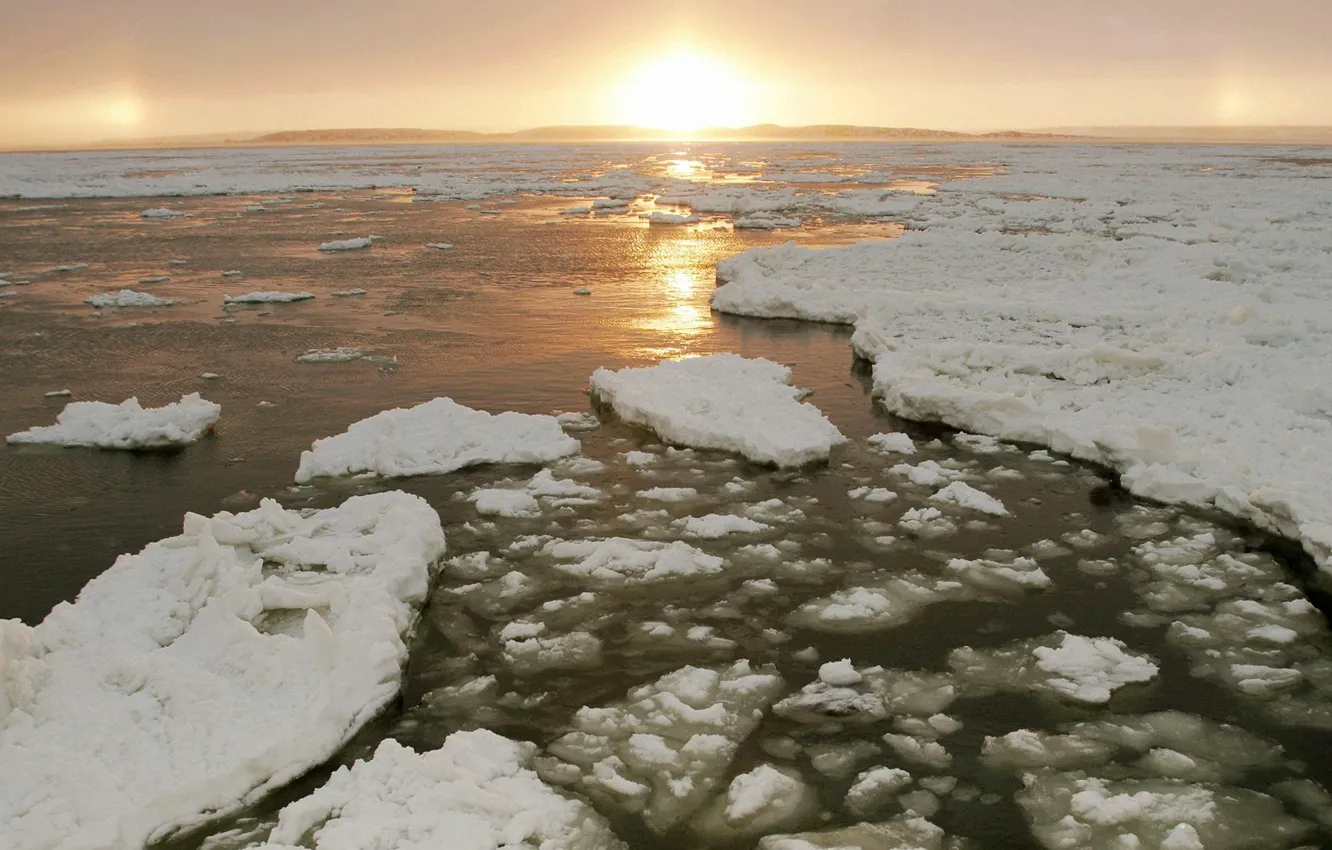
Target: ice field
<point>991,510</point>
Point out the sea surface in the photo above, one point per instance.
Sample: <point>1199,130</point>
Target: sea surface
<point>493,323</point>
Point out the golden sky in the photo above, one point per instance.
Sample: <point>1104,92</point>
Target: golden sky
<point>82,70</point>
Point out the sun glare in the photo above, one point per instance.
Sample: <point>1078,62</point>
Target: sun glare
<point>683,92</point>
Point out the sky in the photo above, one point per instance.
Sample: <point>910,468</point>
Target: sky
<point>83,70</point>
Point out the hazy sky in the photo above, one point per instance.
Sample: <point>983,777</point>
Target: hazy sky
<point>93,69</point>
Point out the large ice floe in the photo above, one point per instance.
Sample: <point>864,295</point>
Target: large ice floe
<point>664,749</point>
<point>476,792</point>
<point>127,298</point>
<point>127,425</point>
<point>435,437</point>
<point>207,669</point>
<point>722,401</point>
<point>1134,308</point>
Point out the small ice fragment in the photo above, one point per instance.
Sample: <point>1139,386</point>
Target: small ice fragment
<point>346,293</point>
<point>839,673</point>
<point>582,290</point>
<point>347,244</point>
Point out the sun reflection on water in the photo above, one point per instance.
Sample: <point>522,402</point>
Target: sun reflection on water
<point>677,297</point>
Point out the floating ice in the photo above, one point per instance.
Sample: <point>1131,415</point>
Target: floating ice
<point>347,244</point>
<point>965,496</point>
<point>762,800</point>
<point>907,832</point>
<point>582,290</point>
<point>346,293</point>
<point>476,791</point>
<point>1076,810</point>
<point>660,217</point>
<point>1073,667</point>
<point>232,273</point>
<point>127,298</point>
<point>619,560</point>
<point>764,221</point>
<point>664,749</point>
<point>722,401</point>
<point>433,438</point>
<point>160,212</point>
<point>544,489</point>
<point>896,443</point>
<point>267,297</point>
<point>57,394</point>
<point>207,669</point>
<point>713,526</point>
<point>161,278</point>
<point>439,246</point>
<point>878,695</point>
<point>127,425</point>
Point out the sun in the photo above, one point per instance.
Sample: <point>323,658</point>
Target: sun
<point>684,92</point>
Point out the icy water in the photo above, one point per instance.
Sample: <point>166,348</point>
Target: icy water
<point>492,322</point>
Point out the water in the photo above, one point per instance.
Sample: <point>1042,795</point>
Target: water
<point>493,324</point>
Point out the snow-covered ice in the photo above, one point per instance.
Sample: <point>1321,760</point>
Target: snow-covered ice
<point>128,298</point>
<point>1072,667</point>
<point>127,425</point>
<point>722,401</point>
<point>207,669</point>
<point>477,791</point>
<point>663,749</point>
<point>1076,810</point>
<point>620,560</point>
<point>963,495</point>
<point>434,438</point>
<point>160,212</point>
<point>1112,305</point>
<point>661,217</point>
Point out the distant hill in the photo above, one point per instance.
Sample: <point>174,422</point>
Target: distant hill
<point>597,133</point>
<point>1256,134</point>
<point>759,132</point>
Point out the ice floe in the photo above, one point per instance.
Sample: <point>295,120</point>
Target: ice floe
<point>623,561</point>
<point>127,425</point>
<point>127,298</point>
<point>1038,320</point>
<point>1072,667</point>
<point>160,212</point>
<point>660,217</point>
<point>207,669</point>
<point>722,401</point>
<point>664,748</point>
<point>433,438</point>
<point>476,791</point>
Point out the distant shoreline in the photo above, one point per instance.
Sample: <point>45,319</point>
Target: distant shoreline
<point>1314,136</point>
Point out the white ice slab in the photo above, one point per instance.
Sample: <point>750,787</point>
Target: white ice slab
<point>207,669</point>
<point>127,425</point>
<point>722,401</point>
<point>433,438</point>
<point>127,298</point>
